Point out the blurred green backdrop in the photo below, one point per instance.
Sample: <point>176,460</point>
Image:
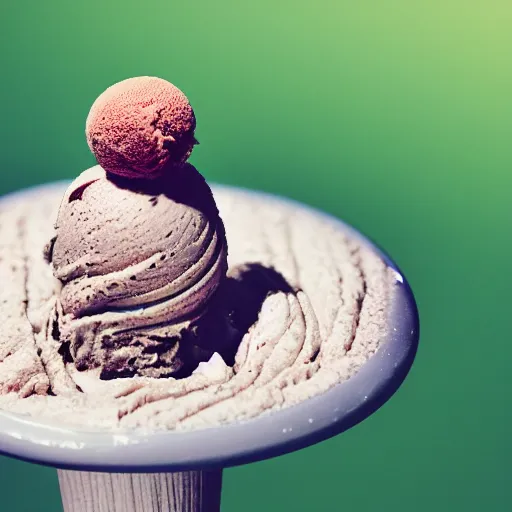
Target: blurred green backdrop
<point>393,115</point>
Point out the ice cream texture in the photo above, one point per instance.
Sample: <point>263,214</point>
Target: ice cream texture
<point>140,126</point>
<point>137,266</point>
<point>308,336</point>
<point>125,307</point>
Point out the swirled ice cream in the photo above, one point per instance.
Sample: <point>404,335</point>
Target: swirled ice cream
<point>138,265</point>
<point>154,303</point>
<point>312,303</point>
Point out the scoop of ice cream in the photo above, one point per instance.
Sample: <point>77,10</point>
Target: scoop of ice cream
<point>139,126</point>
<point>138,262</point>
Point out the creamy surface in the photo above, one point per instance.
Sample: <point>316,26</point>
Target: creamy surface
<point>137,266</point>
<point>304,340</point>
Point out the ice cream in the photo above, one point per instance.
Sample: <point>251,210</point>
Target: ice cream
<point>325,312</point>
<point>138,265</point>
<point>139,126</point>
<point>136,315</point>
<point>138,259</point>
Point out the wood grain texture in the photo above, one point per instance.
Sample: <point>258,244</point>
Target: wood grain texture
<point>188,491</point>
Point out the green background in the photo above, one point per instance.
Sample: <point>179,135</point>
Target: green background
<point>393,115</point>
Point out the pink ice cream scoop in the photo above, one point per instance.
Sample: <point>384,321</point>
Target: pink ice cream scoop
<point>141,126</point>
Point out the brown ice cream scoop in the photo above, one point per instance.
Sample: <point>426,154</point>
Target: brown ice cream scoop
<point>141,126</point>
<point>138,261</point>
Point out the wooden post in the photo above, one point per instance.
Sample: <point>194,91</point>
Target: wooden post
<point>188,491</point>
